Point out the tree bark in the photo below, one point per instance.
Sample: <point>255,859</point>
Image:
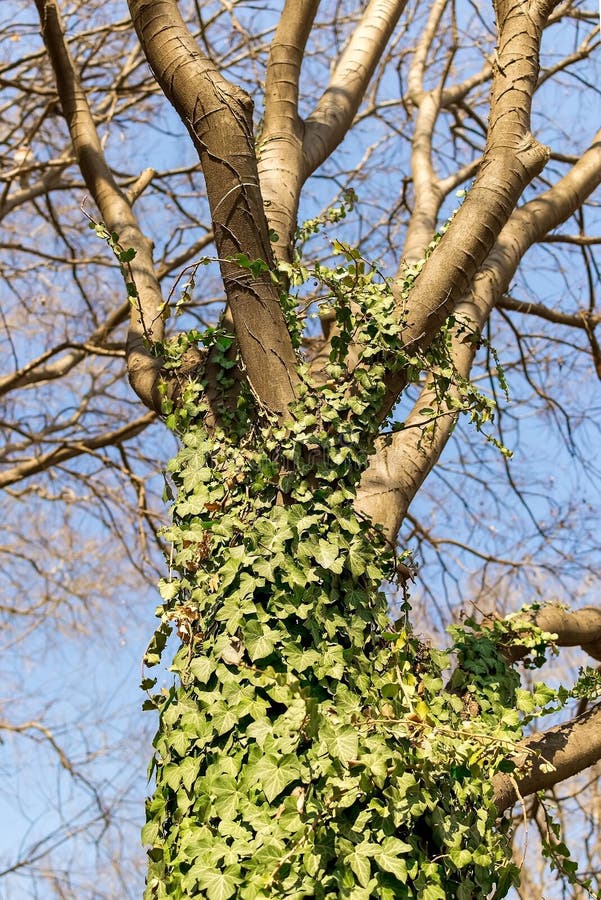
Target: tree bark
<point>566,750</point>
<point>147,308</point>
<point>512,158</point>
<point>403,460</point>
<point>218,116</point>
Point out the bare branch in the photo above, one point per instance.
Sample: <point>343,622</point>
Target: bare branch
<point>427,194</point>
<point>218,116</point>
<point>511,160</point>
<point>551,757</point>
<point>281,143</point>
<point>583,319</point>
<point>403,460</point>
<point>70,449</point>
<point>146,321</point>
<point>330,120</point>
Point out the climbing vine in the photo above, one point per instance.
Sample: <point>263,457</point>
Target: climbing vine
<point>308,746</point>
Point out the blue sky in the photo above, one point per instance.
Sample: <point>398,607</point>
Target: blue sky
<point>88,666</point>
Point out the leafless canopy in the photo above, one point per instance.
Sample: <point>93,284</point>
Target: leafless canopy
<point>129,124</point>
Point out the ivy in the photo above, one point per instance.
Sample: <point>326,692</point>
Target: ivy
<point>308,747</point>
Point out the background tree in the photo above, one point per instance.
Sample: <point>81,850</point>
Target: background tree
<point>432,107</point>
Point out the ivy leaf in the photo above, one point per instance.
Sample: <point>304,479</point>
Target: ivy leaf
<point>266,568</point>
<point>355,561</point>
<point>260,730</point>
<point>168,589</point>
<point>460,858</point>
<point>188,771</point>
<point>295,576</point>
<point>273,777</point>
<point>434,892</point>
<point>259,640</point>
<point>224,719</point>
<point>481,856</point>
<point>227,797</point>
<point>156,646</point>
<point>150,832</point>
<point>304,522</point>
<point>218,885</point>
<point>179,742</point>
<point>387,857</point>
<point>344,745</point>
<point>327,554</point>
<point>361,866</point>
<point>202,667</point>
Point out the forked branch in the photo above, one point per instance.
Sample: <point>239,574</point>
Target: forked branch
<point>218,116</point>
<point>146,318</point>
<point>512,158</point>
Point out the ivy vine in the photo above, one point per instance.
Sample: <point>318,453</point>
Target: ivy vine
<point>308,747</point>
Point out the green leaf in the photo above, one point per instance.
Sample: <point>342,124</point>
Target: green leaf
<point>227,797</point>
<point>355,561</point>
<point>259,640</point>
<point>274,777</point>
<point>260,730</point>
<point>344,745</point>
<point>434,892</point>
<point>184,773</point>
<point>150,832</point>
<point>168,589</point>
<point>156,646</point>
<point>481,856</point>
<point>218,885</point>
<point>326,554</point>
<point>460,858</point>
<point>202,667</point>
<point>387,857</point>
<point>223,719</point>
<point>179,742</point>
<point>361,866</point>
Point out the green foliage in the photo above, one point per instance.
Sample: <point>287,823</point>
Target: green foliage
<point>558,854</point>
<point>125,255</point>
<point>308,747</point>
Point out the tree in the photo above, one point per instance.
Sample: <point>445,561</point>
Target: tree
<point>310,745</point>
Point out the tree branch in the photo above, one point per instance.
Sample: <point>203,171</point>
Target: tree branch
<point>280,149</point>
<point>402,461</point>
<point>511,160</point>
<point>37,372</point>
<point>583,319</point>
<point>577,628</point>
<point>569,748</point>
<point>70,449</point>
<point>427,194</point>
<point>146,319</point>
<point>218,116</point>
<point>330,120</point>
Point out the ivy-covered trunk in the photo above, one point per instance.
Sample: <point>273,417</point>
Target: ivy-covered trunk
<point>308,747</point>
